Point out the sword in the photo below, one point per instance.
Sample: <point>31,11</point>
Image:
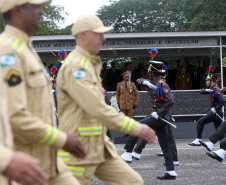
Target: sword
<point>172,125</point>
<point>219,116</point>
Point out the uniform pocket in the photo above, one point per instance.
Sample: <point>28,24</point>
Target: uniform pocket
<point>36,80</point>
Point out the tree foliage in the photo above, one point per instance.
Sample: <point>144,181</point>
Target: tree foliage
<point>53,15</point>
<point>164,15</point>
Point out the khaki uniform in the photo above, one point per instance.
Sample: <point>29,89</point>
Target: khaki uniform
<point>124,97</point>
<point>30,102</point>
<point>82,110</point>
<point>6,139</point>
<point>183,81</point>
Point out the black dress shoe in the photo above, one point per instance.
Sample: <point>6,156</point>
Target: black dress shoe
<point>135,158</point>
<point>204,144</point>
<point>173,164</point>
<point>160,154</point>
<point>193,144</point>
<point>166,176</point>
<point>214,156</point>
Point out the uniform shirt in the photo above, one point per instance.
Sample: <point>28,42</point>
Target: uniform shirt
<point>124,96</point>
<point>30,100</point>
<point>183,81</point>
<point>83,111</point>
<point>6,139</point>
<point>162,107</point>
<point>216,97</point>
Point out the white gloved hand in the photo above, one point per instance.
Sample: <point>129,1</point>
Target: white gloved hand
<point>155,115</point>
<point>209,90</point>
<point>150,85</point>
<point>213,110</point>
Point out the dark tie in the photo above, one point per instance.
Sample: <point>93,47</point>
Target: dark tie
<point>126,85</point>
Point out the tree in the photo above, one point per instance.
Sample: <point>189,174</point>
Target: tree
<point>205,14</point>
<point>164,15</point>
<point>53,15</point>
<point>142,15</point>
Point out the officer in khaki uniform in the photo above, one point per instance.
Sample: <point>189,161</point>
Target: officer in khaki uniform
<point>30,100</point>
<point>124,95</point>
<point>15,165</point>
<point>82,110</point>
<point>183,79</point>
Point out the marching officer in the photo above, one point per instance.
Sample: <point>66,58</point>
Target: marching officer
<point>124,95</point>
<point>141,143</point>
<point>30,99</point>
<point>82,110</point>
<point>15,165</point>
<point>217,102</point>
<point>161,100</point>
<point>183,79</point>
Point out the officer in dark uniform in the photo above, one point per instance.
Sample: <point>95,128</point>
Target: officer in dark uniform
<point>142,143</point>
<point>162,101</point>
<point>217,102</point>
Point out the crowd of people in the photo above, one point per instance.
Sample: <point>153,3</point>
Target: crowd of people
<point>184,77</point>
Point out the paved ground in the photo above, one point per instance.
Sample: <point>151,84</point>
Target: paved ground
<point>195,168</point>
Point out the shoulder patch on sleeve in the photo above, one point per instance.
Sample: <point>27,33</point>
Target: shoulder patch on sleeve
<point>8,60</point>
<point>13,78</point>
<point>78,74</point>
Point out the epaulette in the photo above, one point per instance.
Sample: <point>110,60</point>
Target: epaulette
<point>84,62</point>
<point>68,59</point>
<point>18,45</point>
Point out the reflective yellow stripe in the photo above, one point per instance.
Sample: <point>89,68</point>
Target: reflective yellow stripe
<point>84,62</point>
<point>18,45</point>
<point>0,39</point>
<point>127,125</point>
<point>68,59</point>
<point>90,131</point>
<point>50,137</point>
<point>65,156</point>
<point>76,171</point>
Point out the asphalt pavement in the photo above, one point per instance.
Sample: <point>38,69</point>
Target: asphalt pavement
<point>195,168</point>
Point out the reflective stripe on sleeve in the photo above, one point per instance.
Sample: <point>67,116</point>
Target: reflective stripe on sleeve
<point>84,62</point>
<point>50,136</point>
<point>68,59</point>
<point>65,156</point>
<point>90,131</point>
<point>18,45</point>
<point>127,125</point>
<point>76,171</point>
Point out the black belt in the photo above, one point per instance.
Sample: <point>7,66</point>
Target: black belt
<point>154,110</point>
